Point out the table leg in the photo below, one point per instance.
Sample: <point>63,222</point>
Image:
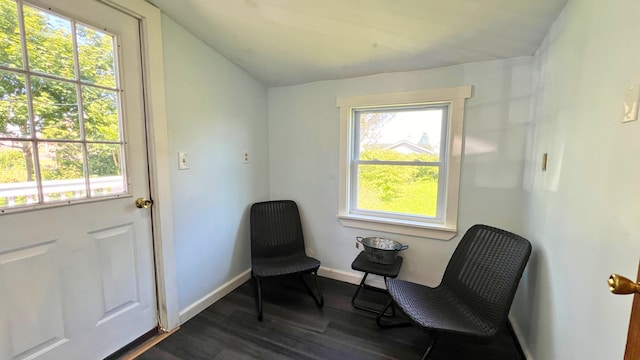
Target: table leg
<point>366,308</point>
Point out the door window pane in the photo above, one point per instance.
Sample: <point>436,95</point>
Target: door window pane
<point>101,114</point>
<point>62,171</point>
<point>14,111</point>
<point>96,56</point>
<point>55,106</point>
<point>49,43</point>
<point>10,48</point>
<point>105,169</point>
<point>17,178</point>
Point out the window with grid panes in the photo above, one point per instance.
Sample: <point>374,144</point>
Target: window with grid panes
<point>61,137</point>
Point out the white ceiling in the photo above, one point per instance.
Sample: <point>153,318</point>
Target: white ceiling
<point>284,42</point>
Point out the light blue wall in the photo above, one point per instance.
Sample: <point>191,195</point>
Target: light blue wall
<point>583,213</point>
<point>304,157</point>
<point>215,111</point>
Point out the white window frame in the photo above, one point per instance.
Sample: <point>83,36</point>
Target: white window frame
<point>444,227</point>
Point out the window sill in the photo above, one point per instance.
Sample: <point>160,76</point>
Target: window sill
<point>404,227</point>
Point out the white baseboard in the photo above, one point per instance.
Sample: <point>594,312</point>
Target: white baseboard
<point>217,294</point>
<point>351,277</point>
<point>339,275</point>
<point>520,338</point>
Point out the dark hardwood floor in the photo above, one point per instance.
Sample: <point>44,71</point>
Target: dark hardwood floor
<point>294,328</point>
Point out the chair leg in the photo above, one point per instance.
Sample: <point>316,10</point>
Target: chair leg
<point>433,342</point>
<point>389,325</point>
<point>258,287</point>
<point>319,299</point>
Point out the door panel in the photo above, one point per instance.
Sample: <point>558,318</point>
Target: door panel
<point>117,255</point>
<point>77,281</point>
<point>36,321</point>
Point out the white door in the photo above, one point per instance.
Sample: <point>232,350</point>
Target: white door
<point>76,255</point>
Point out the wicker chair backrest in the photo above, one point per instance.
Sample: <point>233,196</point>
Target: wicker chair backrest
<point>276,230</point>
<point>484,272</point>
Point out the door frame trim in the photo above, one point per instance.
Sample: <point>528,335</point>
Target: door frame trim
<point>158,157</point>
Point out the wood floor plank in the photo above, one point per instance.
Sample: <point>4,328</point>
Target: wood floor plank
<point>304,317</point>
<point>158,353</point>
<point>303,343</point>
<point>227,354</point>
<point>295,328</point>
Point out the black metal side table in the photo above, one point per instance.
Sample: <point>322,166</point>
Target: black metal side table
<point>368,267</point>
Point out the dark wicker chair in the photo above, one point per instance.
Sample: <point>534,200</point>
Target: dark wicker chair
<point>277,247</point>
<point>476,292</point>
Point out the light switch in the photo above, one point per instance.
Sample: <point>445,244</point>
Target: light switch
<point>183,161</point>
<point>631,98</point>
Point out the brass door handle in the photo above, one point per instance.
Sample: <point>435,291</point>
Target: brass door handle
<point>143,203</point>
<point>621,285</point>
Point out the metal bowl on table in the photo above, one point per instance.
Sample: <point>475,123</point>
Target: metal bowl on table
<point>380,250</point>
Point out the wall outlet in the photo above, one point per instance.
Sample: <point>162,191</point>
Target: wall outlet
<point>245,157</point>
